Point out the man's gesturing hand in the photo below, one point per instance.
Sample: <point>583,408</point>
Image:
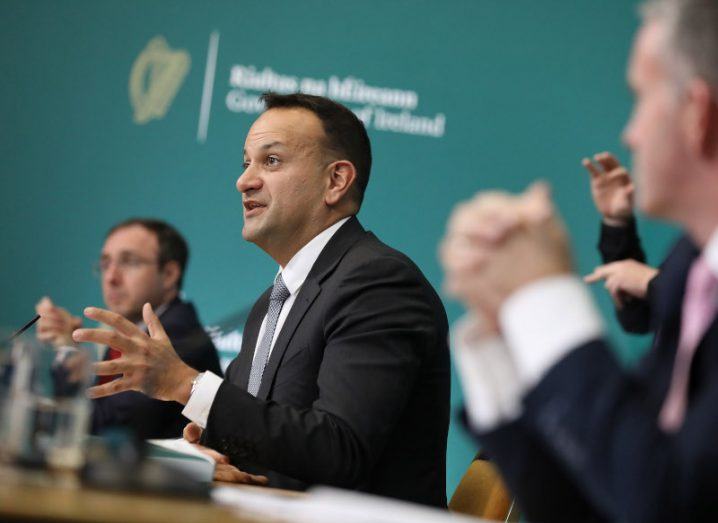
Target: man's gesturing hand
<point>149,364</point>
<point>56,324</point>
<point>625,278</point>
<point>611,188</point>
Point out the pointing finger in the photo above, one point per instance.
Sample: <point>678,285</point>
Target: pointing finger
<point>592,278</point>
<point>599,273</point>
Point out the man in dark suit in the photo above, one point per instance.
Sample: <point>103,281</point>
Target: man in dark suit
<point>142,260</point>
<point>578,437</point>
<point>343,377</point>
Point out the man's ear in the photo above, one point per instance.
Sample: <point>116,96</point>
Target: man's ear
<point>701,122</point>
<point>342,175</point>
<point>170,274</point>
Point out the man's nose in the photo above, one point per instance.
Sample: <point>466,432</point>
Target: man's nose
<point>628,135</point>
<point>112,274</point>
<point>248,180</point>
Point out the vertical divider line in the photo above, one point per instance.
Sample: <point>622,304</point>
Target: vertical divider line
<point>209,74</point>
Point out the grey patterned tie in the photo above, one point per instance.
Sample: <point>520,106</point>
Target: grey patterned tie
<point>279,295</point>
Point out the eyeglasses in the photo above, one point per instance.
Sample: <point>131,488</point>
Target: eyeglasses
<point>125,263</point>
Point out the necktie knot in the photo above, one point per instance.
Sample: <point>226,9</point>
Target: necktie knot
<point>280,292</point>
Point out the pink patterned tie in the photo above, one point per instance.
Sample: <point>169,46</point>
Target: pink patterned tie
<point>699,308</point>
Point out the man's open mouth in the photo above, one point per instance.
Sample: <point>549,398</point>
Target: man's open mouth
<point>251,205</point>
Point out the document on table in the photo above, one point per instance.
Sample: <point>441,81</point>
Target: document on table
<point>182,455</point>
<point>329,505</point>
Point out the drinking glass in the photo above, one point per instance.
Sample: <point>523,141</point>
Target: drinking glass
<point>44,411</point>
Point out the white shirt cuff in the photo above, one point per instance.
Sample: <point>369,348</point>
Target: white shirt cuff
<point>200,402</point>
<point>544,321</point>
<point>490,382</point>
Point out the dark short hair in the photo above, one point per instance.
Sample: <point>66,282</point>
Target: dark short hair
<point>345,133</point>
<point>173,247</point>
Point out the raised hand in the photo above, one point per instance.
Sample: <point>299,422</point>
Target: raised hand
<point>56,324</point>
<point>148,364</point>
<point>611,188</point>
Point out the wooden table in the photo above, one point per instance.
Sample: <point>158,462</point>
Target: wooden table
<point>35,496</point>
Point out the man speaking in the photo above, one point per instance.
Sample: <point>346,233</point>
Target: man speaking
<point>343,377</point>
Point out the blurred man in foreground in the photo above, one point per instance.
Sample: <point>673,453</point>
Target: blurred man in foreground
<point>576,436</point>
<point>142,260</point>
<point>343,377</point>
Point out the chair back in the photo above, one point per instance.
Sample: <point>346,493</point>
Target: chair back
<point>482,493</point>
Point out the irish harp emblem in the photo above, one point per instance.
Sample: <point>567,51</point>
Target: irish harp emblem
<point>156,76</point>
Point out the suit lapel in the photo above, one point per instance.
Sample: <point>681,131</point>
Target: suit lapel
<point>239,375</point>
<point>672,283</point>
<point>347,235</point>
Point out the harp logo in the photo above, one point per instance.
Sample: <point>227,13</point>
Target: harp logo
<point>156,76</point>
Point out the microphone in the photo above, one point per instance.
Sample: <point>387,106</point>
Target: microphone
<point>22,329</point>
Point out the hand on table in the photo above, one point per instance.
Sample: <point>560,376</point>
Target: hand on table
<point>231,474</point>
<point>192,432</point>
<point>223,470</point>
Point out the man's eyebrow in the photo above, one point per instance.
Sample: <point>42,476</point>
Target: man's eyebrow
<point>266,146</point>
<point>123,252</point>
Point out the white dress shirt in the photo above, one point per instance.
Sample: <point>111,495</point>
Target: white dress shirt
<point>541,323</point>
<point>294,274</point>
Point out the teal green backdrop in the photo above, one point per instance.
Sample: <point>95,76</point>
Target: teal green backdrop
<point>459,96</point>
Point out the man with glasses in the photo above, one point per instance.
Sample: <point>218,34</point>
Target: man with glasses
<point>142,261</point>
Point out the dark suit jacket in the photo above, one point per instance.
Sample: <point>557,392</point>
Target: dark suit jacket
<point>588,445</point>
<point>151,418</point>
<point>356,391</point>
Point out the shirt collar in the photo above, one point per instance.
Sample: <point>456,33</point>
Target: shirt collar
<point>159,311</point>
<point>297,270</point>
